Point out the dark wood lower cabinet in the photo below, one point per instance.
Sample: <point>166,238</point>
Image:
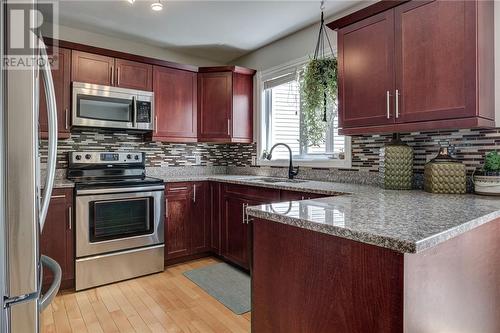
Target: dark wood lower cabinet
<point>57,240</point>
<point>306,281</point>
<point>209,217</point>
<point>235,227</point>
<point>187,227</point>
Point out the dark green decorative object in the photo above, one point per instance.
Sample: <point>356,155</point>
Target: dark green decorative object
<point>396,165</point>
<point>444,174</point>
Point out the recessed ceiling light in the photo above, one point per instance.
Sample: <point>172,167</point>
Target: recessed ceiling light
<point>157,6</point>
<point>131,1</point>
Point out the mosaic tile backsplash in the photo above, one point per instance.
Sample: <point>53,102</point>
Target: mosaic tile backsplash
<point>158,154</point>
<point>470,147</point>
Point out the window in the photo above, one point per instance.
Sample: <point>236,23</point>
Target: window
<point>280,122</point>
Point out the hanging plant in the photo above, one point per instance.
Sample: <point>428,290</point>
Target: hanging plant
<point>318,91</point>
<point>318,94</point>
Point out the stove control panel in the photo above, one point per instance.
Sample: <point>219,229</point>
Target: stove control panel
<point>110,158</point>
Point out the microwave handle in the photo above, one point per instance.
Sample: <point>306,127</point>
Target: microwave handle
<point>134,116</point>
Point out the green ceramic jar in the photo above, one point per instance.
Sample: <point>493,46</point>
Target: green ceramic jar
<point>444,174</point>
<point>396,165</point>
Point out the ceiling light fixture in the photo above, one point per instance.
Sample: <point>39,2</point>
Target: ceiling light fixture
<point>131,1</point>
<point>157,6</point>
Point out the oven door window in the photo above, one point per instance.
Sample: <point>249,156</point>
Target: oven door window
<point>113,219</point>
<point>105,108</point>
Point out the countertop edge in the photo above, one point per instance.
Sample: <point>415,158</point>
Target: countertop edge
<point>393,244</point>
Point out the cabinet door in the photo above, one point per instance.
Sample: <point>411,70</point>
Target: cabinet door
<point>62,85</point>
<point>175,105</point>
<point>57,237</point>
<point>200,218</point>
<point>177,240</point>
<point>215,216</point>
<point>133,75</point>
<point>235,231</point>
<point>215,104</point>
<point>92,68</point>
<point>435,60</point>
<point>366,71</point>
<point>242,115</point>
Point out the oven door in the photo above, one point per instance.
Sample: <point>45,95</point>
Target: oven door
<point>103,106</point>
<point>108,222</point>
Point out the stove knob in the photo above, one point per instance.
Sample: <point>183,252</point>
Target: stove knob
<point>136,157</point>
<point>78,157</point>
<point>88,156</point>
<point>129,157</point>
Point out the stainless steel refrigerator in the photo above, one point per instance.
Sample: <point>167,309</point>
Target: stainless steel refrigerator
<point>23,205</point>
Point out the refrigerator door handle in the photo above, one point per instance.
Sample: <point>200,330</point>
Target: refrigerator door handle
<point>54,267</point>
<point>52,129</point>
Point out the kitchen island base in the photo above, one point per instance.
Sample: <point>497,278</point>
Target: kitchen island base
<point>306,281</point>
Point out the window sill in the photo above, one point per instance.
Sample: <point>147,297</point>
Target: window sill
<point>319,163</point>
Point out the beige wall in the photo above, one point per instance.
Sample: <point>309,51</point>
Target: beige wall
<point>124,45</point>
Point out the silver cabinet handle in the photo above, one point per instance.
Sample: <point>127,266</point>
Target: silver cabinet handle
<point>117,76</point>
<point>397,103</point>
<point>243,213</point>
<point>112,76</point>
<point>177,188</point>
<point>52,141</point>
<point>66,118</point>
<point>229,127</point>
<point>194,193</point>
<point>70,218</point>
<point>59,196</point>
<point>388,102</point>
<point>156,124</point>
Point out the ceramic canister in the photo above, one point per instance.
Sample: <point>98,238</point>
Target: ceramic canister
<point>396,165</point>
<point>444,174</point>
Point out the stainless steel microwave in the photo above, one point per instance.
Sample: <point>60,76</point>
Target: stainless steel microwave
<point>112,107</point>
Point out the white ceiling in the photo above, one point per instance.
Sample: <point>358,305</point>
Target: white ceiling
<point>215,30</point>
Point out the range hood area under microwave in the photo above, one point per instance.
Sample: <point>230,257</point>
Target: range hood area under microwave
<point>112,107</point>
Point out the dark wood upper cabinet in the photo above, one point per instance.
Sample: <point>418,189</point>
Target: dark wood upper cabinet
<point>225,107</point>
<point>433,58</point>
<point>108,71</point>
<point>57,239</point>
<point>175,105</point>
<point>61,75</point>
<point>92,68</point>
<point>366,75</point>
<point>215,94</point>
<point>133,75</point>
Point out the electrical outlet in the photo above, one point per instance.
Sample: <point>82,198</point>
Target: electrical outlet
<point>254,160</point>
<point>197,159</point>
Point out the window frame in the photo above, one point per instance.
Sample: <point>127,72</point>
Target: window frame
<point>262,122</point>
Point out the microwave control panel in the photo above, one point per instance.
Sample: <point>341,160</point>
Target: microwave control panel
<point>143,112</point>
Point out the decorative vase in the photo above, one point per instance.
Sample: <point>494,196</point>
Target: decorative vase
<point>487,183</point>
<point>396,165</point>
<point>445,174</point>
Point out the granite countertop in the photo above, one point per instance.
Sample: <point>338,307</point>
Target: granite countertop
<point>403,221</point>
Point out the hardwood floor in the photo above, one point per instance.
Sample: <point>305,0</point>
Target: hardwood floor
<point>163,302</point>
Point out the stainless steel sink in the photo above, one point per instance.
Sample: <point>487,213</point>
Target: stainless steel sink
<point>278,180</point>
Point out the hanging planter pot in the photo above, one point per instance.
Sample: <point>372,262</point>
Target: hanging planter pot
<point>318,90</point>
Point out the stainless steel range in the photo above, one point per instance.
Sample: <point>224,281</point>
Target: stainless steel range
<point>119,214</point>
